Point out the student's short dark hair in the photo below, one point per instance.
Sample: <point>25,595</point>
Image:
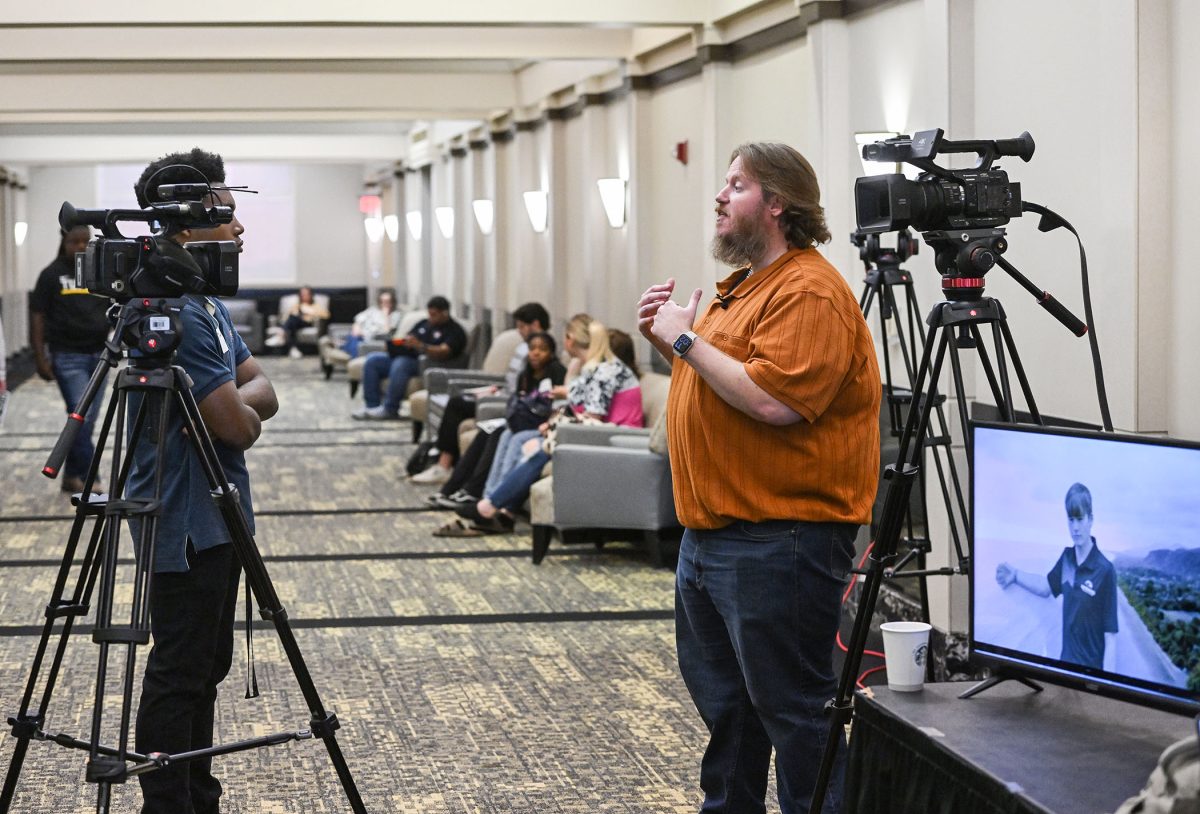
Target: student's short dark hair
<point>532,312</point>
<point>1079,501</point>
<point>543,336</point>
<point>438,303</point>
<point>210,165</point>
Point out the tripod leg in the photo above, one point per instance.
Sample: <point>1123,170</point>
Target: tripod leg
<point>324,724</point>
<point>26,726</point>
<point>901,477</point>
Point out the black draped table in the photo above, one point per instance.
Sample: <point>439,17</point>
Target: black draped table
<point>1006,750</point>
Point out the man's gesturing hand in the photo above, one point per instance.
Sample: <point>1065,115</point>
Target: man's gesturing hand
<point>662,321</point>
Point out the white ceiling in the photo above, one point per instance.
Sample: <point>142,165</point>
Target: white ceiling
<point>305,80</point>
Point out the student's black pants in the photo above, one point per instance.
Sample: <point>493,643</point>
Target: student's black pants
<point>458,409</point>
<point>191,620</point>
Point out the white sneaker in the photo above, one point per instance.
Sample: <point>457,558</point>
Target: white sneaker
<point>295,353</point>
<point>277,339</point>
<point>436,474</point>
<point>373,414</point>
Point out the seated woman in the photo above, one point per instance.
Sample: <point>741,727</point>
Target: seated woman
<point>378,322</point>
<point>542,372</point>
<point>606,390</point>
<point>304,314</point>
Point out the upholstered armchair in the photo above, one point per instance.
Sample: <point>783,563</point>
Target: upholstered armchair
<point>441,384</point>
<point>607,477</point>
<point>306,338</point>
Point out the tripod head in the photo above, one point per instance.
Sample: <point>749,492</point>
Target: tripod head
<point>963,256</point>
<point>151,329</point>
<point>872,253</point>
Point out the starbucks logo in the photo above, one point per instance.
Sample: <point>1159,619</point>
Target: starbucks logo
<point>920,654</point>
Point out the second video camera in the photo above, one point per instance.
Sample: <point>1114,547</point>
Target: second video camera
<point>940,199</point>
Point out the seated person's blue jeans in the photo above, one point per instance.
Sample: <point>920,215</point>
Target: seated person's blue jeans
<point>757,607</point>
<point>513,491</point>
<point>508,455</point>
<point>350,344</point>
<point>398,370</point>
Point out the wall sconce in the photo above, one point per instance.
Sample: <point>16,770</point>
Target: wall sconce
<point>391,225</point>
<point>485,214</point>
<point>374,227</point>
<point>20,229</point>
<point>874,167</point>
<point>414,223</point>
<point>537,204</point>
<point>680,153</point>
<point>612,194</point>
<point>445,220</point>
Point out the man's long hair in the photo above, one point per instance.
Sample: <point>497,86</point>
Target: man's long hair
<point>786,175</point>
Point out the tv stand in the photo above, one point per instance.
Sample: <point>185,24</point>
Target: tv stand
<point>998,678</point>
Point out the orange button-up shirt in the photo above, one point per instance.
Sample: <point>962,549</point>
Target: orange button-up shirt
<point>798,330</point>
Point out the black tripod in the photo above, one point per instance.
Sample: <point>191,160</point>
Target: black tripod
<point>963,257</point>
<point>150,327</point>
<point>884,276</point>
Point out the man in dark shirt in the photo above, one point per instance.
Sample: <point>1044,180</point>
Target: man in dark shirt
<point>74,324</point>
<point>438,337</point>
<point>1086,581</point>
<point>194,590</point>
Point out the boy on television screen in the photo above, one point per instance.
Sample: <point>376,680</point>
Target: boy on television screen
<point>1087,582</point>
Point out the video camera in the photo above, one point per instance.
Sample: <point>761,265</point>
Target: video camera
<point>155,265</point>
<point>940,198</point>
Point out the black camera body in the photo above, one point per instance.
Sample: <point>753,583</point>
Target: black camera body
<point>940,199</point>
<point>123,268</point>
<point>155,265</point>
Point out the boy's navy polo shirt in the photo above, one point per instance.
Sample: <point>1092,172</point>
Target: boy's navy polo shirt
<point>449,333</point>
<point>1089,592</point>
<point>210,352</point>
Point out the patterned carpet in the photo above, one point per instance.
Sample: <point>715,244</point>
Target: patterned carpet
<point>466,679</point>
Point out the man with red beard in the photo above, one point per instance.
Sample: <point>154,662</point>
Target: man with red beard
<point>772,423</point>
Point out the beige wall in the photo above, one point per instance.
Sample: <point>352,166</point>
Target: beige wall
<point>1181,299</point>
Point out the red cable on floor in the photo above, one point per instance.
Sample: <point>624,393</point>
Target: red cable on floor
<point>846,595</point>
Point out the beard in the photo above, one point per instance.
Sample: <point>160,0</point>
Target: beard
<point>741,245</point>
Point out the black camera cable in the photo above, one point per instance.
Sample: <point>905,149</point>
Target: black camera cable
<point>1050,221</point>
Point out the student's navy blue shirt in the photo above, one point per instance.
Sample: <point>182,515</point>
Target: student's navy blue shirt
<point>1089,592</point>
<point>210,352</point>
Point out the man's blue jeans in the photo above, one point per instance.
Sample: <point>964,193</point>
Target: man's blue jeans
<point>398,370</point>
<point>757,608</point>
<point>72,372</point>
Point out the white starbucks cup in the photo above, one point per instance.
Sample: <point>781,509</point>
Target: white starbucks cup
<point>906,648</point>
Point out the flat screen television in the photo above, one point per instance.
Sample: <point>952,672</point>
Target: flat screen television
<point>1086,561</point>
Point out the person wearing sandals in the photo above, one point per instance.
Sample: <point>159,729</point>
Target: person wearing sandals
<point>606,390</point>
<point>543,372</point>
<point>490,456</point>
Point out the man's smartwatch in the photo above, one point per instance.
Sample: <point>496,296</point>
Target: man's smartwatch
<point>684,343</point>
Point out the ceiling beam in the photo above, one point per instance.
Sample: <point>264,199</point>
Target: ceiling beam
<point>622,13</point>
<point>246,96</point>
<point>174,43</point>
<point>27,151</point>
